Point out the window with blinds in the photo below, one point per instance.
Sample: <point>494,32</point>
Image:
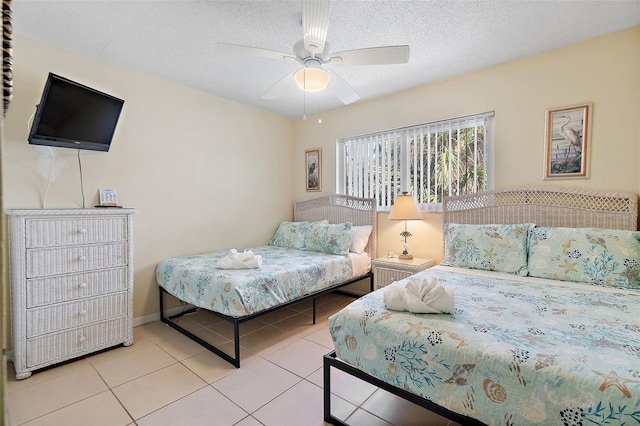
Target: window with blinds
<point>429,161</point>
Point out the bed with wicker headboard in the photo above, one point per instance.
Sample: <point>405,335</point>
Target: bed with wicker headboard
<point>545,328</point>
<point>328,246</point>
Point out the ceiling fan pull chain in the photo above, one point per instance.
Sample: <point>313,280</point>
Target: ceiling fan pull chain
<point>304,97</point>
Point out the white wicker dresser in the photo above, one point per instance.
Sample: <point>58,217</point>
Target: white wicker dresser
<point>71,284</point>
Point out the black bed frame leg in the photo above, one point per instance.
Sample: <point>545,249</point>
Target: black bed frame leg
<point>314,310</point>
<point>161,304</point>
<point>236,331</point>
<point>326,389</point>
<point>326,386</point>
<point>236,341</point>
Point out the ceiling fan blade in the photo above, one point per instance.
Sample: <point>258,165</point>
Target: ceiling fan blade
<point>315,23</point>
<point>372,56</point>
<point>341,89</point>
<point>277,89</point>
<point>252,51</point>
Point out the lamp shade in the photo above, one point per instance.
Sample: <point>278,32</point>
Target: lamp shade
<point>405,208</point>
<point>311,79</point>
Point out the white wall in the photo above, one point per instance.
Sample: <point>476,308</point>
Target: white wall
<point>604,71</point>
<point>203,173</point>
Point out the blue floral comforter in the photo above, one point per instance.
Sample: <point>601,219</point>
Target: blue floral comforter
<point>285,275</point>
<point>516,351</point>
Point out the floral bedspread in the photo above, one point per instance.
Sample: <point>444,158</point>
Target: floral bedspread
<point>285,275</point>
<point>516,350</point>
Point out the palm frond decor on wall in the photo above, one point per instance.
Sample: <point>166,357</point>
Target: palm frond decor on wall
<point>7,55</point>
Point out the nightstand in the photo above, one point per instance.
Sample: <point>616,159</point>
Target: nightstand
<point>389,269</point>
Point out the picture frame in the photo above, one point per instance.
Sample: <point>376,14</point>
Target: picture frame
<point>567,142</point>
<point>108,197</point>
<point>313,169</point>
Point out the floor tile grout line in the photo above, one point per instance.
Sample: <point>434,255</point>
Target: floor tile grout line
<point>122,405</point>
<point>70,404</point>
<point>229,399</point>
<point>63,407</point>
<point>281,393</point>
<point>111,391</point>
<point>244,418</point>
<point>361,407</point>
<point>295,337</point>
<point>145,374</point>
<point>47,368</point>
<point>174,401</point>
<point>206,384</point>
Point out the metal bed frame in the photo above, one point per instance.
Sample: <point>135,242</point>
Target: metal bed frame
<point>544,206</point>
<point>334,208</point>
<point>235,360</point>
<point>329,360</point>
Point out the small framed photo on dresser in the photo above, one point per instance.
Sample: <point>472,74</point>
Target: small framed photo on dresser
<point>313,169</point>
<point>108,197</point>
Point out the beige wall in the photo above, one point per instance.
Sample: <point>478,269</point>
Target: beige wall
<point>203,173</point>
<point>208,174</point>
<point>603,71</point>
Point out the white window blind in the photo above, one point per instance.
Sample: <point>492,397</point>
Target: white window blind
<point>429,161</point>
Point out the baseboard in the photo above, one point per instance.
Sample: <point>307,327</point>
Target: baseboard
<point>146,319</point>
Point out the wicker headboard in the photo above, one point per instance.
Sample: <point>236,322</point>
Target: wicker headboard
<point>545,207</point>
<point>338,209</point>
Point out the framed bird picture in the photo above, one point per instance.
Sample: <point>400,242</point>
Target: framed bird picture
<point>567,142</point>
<point>313,169</point>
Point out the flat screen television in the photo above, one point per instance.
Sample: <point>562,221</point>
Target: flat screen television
<point>71,115</point>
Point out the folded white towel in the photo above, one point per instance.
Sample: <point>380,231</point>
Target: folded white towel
<point>420,296</point>
<point>235,260</point>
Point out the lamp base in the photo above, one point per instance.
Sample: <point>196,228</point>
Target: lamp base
<point>406,257</point>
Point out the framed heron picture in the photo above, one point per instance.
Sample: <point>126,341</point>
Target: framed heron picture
<point>567,142</point>
<point>313,169</point>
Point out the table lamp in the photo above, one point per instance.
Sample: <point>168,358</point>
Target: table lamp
<point>405,208</point>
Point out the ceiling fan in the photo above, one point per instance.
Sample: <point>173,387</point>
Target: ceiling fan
<point>313,51</point>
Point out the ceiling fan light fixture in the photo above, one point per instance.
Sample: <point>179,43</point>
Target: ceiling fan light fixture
<point>312,79</point>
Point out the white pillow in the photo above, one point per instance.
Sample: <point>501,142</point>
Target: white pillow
<point>359,238</point>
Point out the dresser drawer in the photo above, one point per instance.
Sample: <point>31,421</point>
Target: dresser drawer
<point>53,232</point>
<point>45,262</point>
<point>64,288</point>
<point>75,342</point>
<point>62,316</point>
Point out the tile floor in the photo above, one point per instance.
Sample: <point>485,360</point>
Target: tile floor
<point>167,379</point>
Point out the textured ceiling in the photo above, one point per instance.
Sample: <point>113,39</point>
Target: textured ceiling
<point>174,40</point>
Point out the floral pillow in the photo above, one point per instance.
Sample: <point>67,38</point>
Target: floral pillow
<point>501,248</point>
<point>603,257</point>
<point>292,234</point>
<point>325,238</point>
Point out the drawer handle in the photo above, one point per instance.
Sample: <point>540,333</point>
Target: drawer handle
<point>82,231</point>
<point>82,257</point>
<point>83,285</point>
<point>82,339</point>
<point>83,312</point>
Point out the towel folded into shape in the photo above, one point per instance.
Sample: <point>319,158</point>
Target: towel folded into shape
<point>420,296</point>
<point>235,260</point>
